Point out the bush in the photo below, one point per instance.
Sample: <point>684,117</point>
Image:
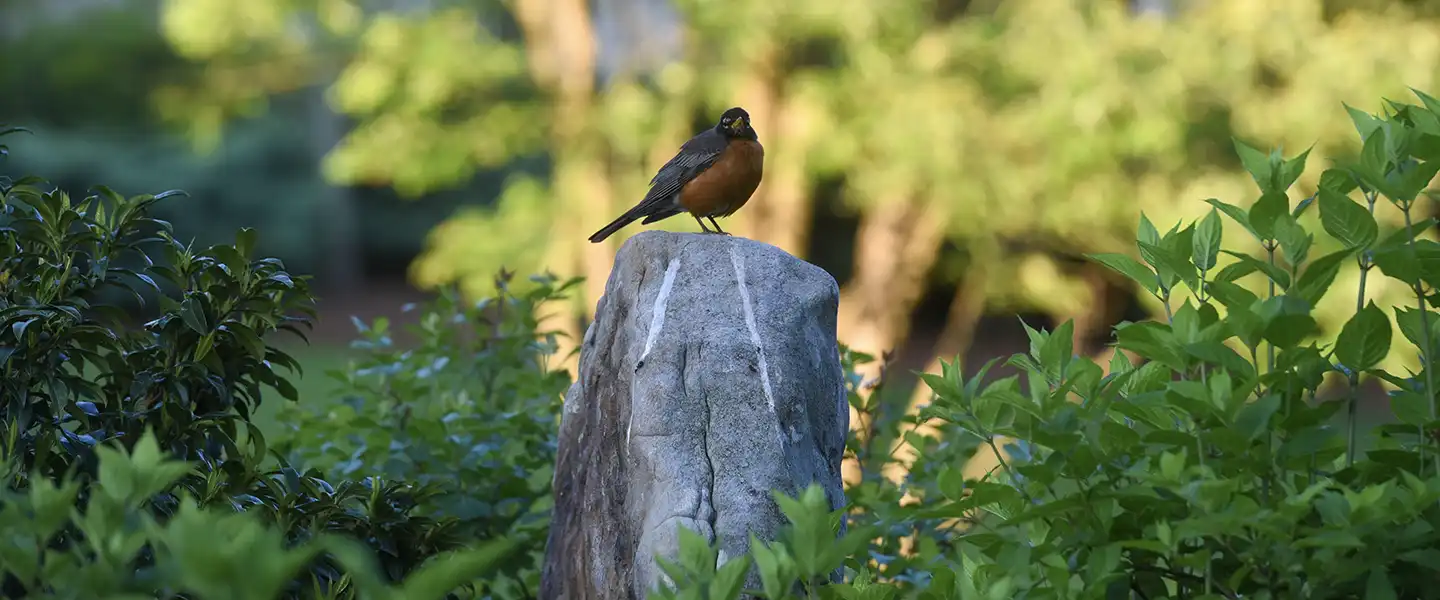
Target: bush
<point>80,376</point>
<point>1208,469</point>
<point>470,409</point>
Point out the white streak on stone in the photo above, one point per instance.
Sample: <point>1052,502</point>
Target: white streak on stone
<point>657,322</point>
<point>657,310</point>
<point>754,331</point>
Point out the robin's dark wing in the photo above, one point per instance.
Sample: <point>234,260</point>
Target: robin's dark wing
<point>694,157</point>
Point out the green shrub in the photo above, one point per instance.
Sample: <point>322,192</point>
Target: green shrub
<point>469,409</point>
<point>1208,469</point>
<point>117,547</point>
<point>78,374</point>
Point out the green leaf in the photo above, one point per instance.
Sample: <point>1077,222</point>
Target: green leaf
<point>1346,220</point>
<point>1207,241</point>
<point>1274,272</point>
<point>1256,163</point>
<point>1254,417</point>
<point>1365,123</point>
<point>1414,179</point>
<point>951,482</point>
<point>1286,330</point>
<point>1431,104</point>
<point>1378,586</point>
<point>1270,207</point>
<point>1058,349</point>
<point>1422,263</point>
<point>1147,232</point>
<point>776,576</point>
<point>730,579</point>
<point>1294,240</point>
<point>1364,340</point>
<point>1171,265</point>
<point>1412,322</point>
<point>1338,181</point>
<point>1290,170</point>
<point>1374,164</point>
<point>1231,295</point>
<point>1400,237</point>
<point>193,314</point>
<point>1409,407</point>
<point>1128,267</point>
<point>1318,276</point>
<point>1235,213</point>
<point>443,574</point>
<point>245,241</point>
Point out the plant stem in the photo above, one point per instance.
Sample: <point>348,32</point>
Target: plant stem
<point>1425,355</point>
<point>1270,363</point>
<point>1353,378</point>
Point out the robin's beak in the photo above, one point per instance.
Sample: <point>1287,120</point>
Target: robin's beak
<point>739,124</point>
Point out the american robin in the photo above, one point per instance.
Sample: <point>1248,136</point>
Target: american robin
<point>713,176</point>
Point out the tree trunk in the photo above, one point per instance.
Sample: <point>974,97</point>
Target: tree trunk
<point>898,241</point>
<point>966,309</point>
<point>340,259</point>
<point>779,213</point>
<point>562,51</point>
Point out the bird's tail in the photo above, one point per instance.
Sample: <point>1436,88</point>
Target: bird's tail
<point>614,226</point>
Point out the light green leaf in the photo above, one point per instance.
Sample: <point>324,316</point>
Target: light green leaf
<point>1256,163</point>
<point>1128,267</point>
<point>1207,241</point>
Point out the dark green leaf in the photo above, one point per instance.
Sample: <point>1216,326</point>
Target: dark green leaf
<point>245,242</point>
<point>1346,221</point>
<point>1275,273</point>
<point>1286,330</point>
<point>1364,340</point>
<point>1318,276</point>
<point>1254,418</point>
<point>1266,211</point>
<point>1294,240</point>
<point>1409,407</point>
<point>1171,265</point>
<point>1412,322</point>
<point>1378,585</point>
<point>193,314</point>
<point>1338,181</point>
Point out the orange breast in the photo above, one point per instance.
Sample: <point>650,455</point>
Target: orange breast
<point>728,184</point>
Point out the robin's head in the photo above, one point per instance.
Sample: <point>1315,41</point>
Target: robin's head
<point>735,123</point>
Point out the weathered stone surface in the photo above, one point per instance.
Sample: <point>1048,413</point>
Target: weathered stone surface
<point>710,377</point>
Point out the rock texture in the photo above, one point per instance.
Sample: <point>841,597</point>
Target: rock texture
<point>710,377</point>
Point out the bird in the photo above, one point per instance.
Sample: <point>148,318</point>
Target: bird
<point>713,175</point>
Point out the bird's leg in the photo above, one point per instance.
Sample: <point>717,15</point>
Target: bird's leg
<point>702,224</point>
<point>717,226</point>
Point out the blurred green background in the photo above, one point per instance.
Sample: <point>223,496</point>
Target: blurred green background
<point>949,161</point>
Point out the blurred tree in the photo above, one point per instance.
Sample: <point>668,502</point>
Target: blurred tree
<point>61,57</point>
<point>1019,133</point>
